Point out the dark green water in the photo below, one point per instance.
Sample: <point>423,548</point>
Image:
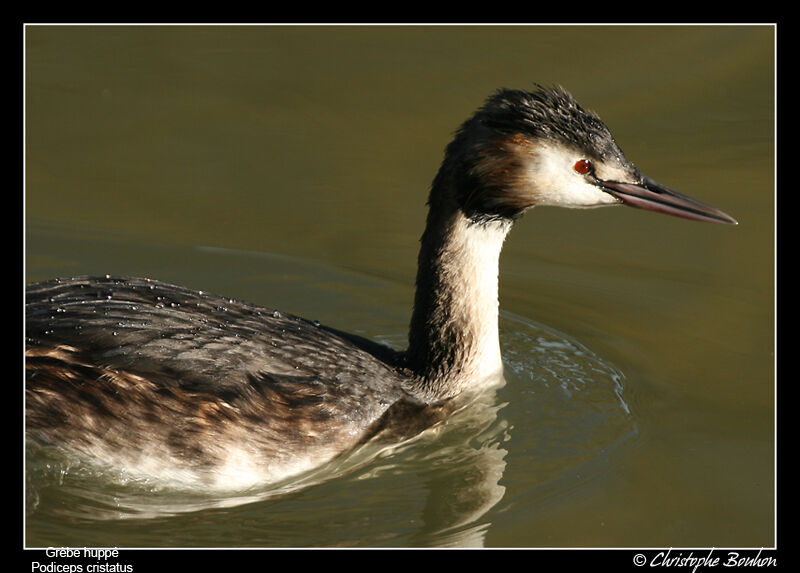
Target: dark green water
<point>289,166</point>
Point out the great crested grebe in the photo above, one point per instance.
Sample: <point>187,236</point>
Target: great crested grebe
<point>136,372</point>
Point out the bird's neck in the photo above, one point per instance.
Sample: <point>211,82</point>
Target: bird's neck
<point>453,339</point>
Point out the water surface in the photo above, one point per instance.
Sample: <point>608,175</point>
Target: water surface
<point>289,167</point>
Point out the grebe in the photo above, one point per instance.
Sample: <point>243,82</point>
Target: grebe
<point>139,373</point>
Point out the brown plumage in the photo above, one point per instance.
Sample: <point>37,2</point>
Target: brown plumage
<point>162,379</point>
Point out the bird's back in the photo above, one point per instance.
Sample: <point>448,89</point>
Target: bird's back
<point>136,371</point>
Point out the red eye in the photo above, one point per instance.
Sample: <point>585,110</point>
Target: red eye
<point>582,166</point>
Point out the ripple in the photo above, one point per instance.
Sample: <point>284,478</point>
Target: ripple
<point>561,412</point>
<point>569,417</point>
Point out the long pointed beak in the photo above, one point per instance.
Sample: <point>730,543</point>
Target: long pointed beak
<point>653,196</point>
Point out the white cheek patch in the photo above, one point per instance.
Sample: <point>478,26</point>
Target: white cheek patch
<point>555,182</point>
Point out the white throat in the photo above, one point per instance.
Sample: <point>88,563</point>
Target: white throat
<point>454,340</point>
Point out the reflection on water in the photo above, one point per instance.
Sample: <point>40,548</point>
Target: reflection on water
<point>441,488</point>
<point>570,408</point>
<point>321,142</point>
